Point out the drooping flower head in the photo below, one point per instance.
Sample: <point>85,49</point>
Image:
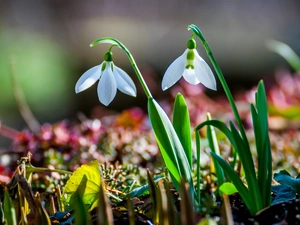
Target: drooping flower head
<point>192,67</point>
<point>110,79</point>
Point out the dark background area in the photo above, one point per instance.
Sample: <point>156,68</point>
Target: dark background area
<point>49,42</point>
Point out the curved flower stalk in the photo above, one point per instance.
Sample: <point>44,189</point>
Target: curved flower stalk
<point>257,193</point>
<point>171,147</point>
<point>110,79</point>
<point>192,67</point>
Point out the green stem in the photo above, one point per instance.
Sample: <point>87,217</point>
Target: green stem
<point>33,169</point>
<point>197,31</point>
<point>198,164</point>
<point>116,42</point>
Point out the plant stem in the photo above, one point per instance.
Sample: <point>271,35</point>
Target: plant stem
<point>198,164</point>
<point>197,31</point>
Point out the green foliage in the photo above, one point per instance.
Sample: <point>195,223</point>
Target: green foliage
<point>213,144</point>
<point>86,181</point>
<point>286,52</point>
<point>9,210</point>
<point>228,188</point>
<point>258,193</point>
<point>170,145</point>
<point>81,214</point>
<point>182,126</point>
<point>261,132</point>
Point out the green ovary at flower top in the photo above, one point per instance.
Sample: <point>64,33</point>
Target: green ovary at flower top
<point>110,79</point>
<point>192,67</point>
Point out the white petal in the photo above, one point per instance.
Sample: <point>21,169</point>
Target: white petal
<point>107,87</point>
<point>190,76</point>
<point>204,73</point>
<point>124,82</point>
<point>88,78</point>
<point>174,72</point>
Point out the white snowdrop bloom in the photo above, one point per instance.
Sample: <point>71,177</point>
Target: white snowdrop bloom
<point>110,79</point>
<point>192,67</point>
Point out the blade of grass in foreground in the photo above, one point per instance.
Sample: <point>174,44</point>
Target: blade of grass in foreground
<point>9,210</point>
<point>261,129</point>
<point>182,126</point>
<point>170,146</point>
<point>213,144</point>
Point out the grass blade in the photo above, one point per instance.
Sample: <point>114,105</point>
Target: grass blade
<point>182,126</point>
<point>105,216</point>
<point>155,197</point>
<point>213,144</point>
<point>261,129</point>
<point>234,177</point>
<point>187,213</point>
<point>9,210</point>
<point>170,145</point>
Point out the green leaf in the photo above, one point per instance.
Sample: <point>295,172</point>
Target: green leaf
<point>155,198</point>
<point>80,211</point>
<point>9,210</point>
<point>143,190</point>
<point>286,52</point>
<point>233,176</point>
<point>104,211</point>
<point>228,188</point>
<point>170,145</point>
<point>261,131</point>
<point>284,178</point>
<point>42,216</point>
<point>182,126</point>
<point>213,144</point>
<point>85,180</point>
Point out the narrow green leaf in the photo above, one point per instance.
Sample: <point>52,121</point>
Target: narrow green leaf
<point>105,216</point>
<point>169,144</point>
<point>80,211</point>
<point>286,52</point>
<point>187,213</point>
<point>91,172</point>
<point>143,190</point>
<point>261,131</point>
<point>233,176</point>
<point>42,216</point>
<point>213,143</point>
<point>198,154</point>
<point>173,216</point>
<point>154,193</point>
<point>131,213</point>
<point>221,126</point>
<point>228,188</point>
<point>246,158</point>
<point>9,210</point>
<point>182,126</point>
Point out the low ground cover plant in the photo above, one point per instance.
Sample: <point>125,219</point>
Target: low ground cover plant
<point>173,190</point>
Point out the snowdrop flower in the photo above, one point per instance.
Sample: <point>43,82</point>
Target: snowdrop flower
<point>192,67</point>
<point>110,79</point>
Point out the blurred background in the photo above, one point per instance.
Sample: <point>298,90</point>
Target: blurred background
<point>48,43</point>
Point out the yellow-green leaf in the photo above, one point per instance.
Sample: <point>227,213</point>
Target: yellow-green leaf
<point>85,180</point>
